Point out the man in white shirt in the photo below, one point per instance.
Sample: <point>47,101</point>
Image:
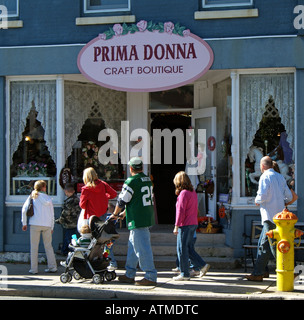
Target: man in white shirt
<point>272,195</point>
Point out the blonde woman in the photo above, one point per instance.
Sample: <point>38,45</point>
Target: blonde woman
<point>42,222</point>
<point>185,227</point>
<point>95,194</point>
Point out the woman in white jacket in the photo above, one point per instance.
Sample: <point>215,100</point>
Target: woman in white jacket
<point>41,222</point>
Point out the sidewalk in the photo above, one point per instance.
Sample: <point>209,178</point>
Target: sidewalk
<point>228,285</point>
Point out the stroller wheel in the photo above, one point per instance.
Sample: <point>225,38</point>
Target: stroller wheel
<point>65,277</point>
<point>98,278</point>
<point>109,276</point>
<point>76,275</point>
<point>113,275</point>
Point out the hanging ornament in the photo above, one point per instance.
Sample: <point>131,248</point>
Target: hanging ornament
<point>211,143</point>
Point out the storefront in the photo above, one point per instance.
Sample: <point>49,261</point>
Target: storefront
<point>46,142</point>
<point>249,106</point>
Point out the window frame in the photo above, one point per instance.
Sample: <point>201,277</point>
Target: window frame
<point>238,201</point>
<point>86,10</point>
<point>207,5</point>
<point>16,14</point>
<point>12,200</point>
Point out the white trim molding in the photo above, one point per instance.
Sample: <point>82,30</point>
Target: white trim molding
<point>86,21</point>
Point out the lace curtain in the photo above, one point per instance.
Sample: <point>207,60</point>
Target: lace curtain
<point>42,96</point>
<point>79,99</point>
<point>255,91</point>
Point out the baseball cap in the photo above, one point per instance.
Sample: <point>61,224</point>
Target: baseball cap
<point>135,163</point>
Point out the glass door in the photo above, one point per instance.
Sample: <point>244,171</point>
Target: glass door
<point>204,124</point>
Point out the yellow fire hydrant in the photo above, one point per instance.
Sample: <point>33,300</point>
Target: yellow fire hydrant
<point>285,233</point>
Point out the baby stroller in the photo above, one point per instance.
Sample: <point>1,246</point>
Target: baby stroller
<point>90,263</point>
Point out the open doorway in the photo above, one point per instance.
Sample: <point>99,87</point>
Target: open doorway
<point>163,174</point>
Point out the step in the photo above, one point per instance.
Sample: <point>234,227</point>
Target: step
<point>170,250</point>
<point>169,237</point>
<point>164,243</point>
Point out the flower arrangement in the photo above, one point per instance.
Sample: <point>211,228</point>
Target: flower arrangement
<point>32,169</point>
<point>90,154</point>
<point>143,25</point>
<point>207,225</point>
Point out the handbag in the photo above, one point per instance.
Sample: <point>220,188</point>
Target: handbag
<point>30,209</point>
<point>294,198</point>
<point>82,220</point>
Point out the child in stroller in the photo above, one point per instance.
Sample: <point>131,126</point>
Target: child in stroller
<point>91,262</point>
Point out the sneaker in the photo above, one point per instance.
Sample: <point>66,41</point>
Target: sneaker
<point>194,273</point>
<point>112,268</point>
<point>145,282</point>
<point>176,270</point>
<point>51,270</point>
<point>204,270</point>
<point>125,279</point>
<point>181,278</point>
<point>33,272</point>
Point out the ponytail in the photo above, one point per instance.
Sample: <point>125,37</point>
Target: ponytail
<point>38,186</point>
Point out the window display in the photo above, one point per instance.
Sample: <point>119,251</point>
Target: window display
<point>32,135</point>
<point>88,110</point>
<point>267,126</point>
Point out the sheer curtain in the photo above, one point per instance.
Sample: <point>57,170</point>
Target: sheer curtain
<point>78,101</point>
<point>42,96</point>
<point>255,91</point>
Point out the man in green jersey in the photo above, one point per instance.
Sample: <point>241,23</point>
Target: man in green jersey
<point>137,197</point>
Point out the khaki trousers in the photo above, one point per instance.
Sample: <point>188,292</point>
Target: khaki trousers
<point>35,232</point>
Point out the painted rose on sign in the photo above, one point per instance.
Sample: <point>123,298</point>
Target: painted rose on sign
<point>145,56</point>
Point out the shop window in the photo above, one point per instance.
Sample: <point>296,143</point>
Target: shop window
<point>89,109</point>
<point>179,98</point>
<point>12,7</point>
<point>32,135</point>
<point>266,126</point>
<point>226,3</point>
<point>94,6</point>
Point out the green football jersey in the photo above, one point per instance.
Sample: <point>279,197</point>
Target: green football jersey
<point>137,193</point>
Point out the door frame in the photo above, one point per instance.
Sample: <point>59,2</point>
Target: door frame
<point>209,113</point>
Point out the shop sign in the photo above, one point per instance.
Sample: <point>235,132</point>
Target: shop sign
<point>145,57</point>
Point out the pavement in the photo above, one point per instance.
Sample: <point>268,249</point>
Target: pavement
<point>15,280</point>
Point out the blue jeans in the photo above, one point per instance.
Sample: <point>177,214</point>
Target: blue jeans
<point>67,236</point>
<point>186,250</point>
<point>140,250</point>
<point>113,262</point>
<point>265,251</point>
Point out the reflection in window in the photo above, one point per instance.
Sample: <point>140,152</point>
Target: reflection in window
<point>106,5</point>
<point>225,3</point>
<point>179,98</point>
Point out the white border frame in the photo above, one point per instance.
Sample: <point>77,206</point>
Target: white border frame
<point>15,15</point>
<point>224,5</point>
<point>86,10</point>
<point>239,202</point>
